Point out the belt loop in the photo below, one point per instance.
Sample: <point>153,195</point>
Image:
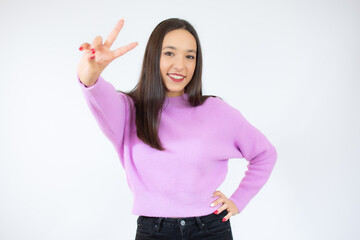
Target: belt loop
<point>157,226</point>
<point>200,224</point>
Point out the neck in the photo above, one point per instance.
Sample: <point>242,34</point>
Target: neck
<point>169,94</point>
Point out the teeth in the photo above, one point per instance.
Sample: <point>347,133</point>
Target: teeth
<point>176,77</point>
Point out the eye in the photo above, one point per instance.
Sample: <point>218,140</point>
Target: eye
<point>191,57</point>
<point>168,53</point>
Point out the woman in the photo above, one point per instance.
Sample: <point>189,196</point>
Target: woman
<point>173,142</point>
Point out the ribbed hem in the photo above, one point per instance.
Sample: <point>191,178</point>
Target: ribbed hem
<point>157,205</point>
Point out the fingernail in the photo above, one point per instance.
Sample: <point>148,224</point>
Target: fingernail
<point>212,204</point>
<point>224,219</point>
<point>92,51</point>
<point>216,212</point>
<point>81,48</point>
<point>92,57</point>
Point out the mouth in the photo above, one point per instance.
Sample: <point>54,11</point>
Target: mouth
<point>176,77</point>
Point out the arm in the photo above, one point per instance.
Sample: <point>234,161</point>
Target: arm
<point>260,154</point>
<point>108,108</point>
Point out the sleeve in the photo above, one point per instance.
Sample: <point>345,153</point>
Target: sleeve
<point>108,107</point>
<point>258,151</point>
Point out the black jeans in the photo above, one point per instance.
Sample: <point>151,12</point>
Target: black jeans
<point>209,227</point>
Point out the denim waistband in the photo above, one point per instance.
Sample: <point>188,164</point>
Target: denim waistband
<point>173,222</point>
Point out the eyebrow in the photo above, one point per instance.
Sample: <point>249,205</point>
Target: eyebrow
<point>190,50</point>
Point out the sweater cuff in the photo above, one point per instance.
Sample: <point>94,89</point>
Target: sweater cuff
<point>239,204</point>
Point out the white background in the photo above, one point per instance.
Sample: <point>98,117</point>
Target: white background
<point>290,67</point>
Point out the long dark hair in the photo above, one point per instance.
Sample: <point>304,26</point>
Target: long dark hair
<point>149,94</point>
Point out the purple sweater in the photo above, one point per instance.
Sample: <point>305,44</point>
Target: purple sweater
<point>180,181</point>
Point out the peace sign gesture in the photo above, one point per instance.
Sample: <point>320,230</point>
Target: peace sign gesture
<point>97,56</point>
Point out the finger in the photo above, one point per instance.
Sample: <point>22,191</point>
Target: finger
<point>121,51</point>
<point>217,202</point>
<point>96,44</point>
<point>114,33</point>
<point>221,208</point>
<point>227,217</point>
<point>216,193</point>
<point>84,46</point>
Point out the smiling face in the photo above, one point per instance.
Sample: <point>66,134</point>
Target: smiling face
<point>177,61</point>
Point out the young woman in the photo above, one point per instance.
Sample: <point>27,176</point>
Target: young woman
<point>173,142</point>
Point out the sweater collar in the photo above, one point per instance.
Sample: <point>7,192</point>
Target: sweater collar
<point>176,101</point>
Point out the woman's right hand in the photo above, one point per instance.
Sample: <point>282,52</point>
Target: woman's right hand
<point>97,56</point>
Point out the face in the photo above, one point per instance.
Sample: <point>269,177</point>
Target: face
<point>177,61</point>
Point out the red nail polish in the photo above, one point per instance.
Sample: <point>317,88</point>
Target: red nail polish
<point>224,220</point>
<point>81,48</point>
<point>216,212</point>
<point>92,57</point>
<point>92,51</point>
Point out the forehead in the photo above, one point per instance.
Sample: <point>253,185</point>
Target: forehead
<point>181,39</point>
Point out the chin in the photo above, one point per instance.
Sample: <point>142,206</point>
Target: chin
<point>175,90</point>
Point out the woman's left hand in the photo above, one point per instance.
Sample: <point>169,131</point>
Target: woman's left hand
<point>226,204</point>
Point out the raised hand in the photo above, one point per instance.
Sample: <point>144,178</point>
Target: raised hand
<point>97,56</point>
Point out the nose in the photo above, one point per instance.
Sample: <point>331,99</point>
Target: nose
<point>179,63</point>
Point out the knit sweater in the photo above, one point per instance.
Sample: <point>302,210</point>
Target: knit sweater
<point>199,141</point>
